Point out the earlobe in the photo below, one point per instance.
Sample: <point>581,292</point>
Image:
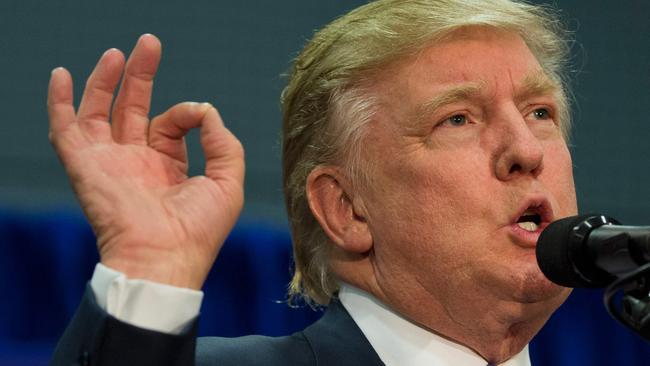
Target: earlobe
<point>338,211</point>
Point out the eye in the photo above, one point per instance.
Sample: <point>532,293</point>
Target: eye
<point>541,114</point>
<point>456,120</point>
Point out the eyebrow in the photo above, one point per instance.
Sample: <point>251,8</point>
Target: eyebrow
<point>452,95</point>
<point>534,84</point>
<point>449,96</point>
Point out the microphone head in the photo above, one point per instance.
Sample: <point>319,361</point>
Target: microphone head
<point>562,255</point>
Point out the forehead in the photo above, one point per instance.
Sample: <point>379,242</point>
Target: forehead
<point>473,53</point>
<point>492,61</point>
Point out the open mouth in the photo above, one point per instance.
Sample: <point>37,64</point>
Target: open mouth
<point>530,221</point>
<point>535,216</point>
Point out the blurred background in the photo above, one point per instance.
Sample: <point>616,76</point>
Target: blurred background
<point>233,54</point>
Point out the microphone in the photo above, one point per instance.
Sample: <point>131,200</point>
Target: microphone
<point>591,250</point>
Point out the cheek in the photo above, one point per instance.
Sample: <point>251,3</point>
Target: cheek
<point>448,186</point>
<point>417,204</point>
<point>558,177</point>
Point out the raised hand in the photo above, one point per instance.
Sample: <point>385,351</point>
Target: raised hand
<point>151,220</point>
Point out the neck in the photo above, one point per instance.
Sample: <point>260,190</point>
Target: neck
<point>494,327</point>
<point>399,341</point>
<point>496,330</point>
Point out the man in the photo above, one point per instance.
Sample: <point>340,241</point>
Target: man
<point>424,152</point>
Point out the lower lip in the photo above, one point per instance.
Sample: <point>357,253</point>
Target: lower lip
<point>523,237</point>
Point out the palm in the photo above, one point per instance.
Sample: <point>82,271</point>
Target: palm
<point>130,175</point>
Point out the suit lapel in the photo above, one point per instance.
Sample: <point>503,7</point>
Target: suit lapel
<point>336,340</point>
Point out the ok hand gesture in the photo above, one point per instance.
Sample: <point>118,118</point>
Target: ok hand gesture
<point>129,173</point>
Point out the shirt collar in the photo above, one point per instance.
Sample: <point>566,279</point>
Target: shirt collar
<point>398,341</point>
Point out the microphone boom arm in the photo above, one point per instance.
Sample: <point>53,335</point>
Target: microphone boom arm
<point>634,308</point>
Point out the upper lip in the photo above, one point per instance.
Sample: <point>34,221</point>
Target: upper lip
<point>538,204</point>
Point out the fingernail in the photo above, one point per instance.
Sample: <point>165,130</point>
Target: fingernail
<point>55,70</point>
<point>146,35</point>
<point>109,51</point>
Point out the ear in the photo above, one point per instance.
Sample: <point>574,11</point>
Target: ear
<point>339,211</point>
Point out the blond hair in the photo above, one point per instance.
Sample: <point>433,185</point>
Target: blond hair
<point>326,104</point>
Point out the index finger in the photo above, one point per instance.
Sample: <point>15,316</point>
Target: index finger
<point>224,154</point>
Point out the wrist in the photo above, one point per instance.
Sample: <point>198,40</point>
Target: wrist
<point>174,272</point>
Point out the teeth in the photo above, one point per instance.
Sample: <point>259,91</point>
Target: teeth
<point>528,225</point>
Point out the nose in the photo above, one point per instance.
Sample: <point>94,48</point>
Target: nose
<point>518,151</point>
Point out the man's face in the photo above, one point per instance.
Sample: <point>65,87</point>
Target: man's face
<point>465,145</point>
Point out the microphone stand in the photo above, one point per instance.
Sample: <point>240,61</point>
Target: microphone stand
<point>632,309</point>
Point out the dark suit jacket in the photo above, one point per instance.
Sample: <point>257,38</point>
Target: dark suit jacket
<point>95,338</point>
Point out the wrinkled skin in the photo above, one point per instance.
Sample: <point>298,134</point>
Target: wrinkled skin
<point>448,184</point>
<point>151,220</point>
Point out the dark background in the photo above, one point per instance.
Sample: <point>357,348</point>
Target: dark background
<point>233,54</point>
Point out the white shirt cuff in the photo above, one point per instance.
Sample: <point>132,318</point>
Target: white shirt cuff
<point>145,304</point>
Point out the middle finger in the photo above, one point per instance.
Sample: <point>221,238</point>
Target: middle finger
<point>131,109</point>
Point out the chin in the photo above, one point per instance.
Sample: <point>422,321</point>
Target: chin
<point>534,287</point>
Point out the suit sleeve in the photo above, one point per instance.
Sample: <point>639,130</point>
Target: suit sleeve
<point>94,337</point>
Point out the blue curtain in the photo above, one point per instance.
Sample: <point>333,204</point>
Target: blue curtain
<point>46,259</point>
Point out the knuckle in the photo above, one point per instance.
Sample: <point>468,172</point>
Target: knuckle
<point>238,148</point>
<point>51,136</point>
<point>94,117</point>
<point>136,109</point>
<point>125,111</point>
<point>141,75</point>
